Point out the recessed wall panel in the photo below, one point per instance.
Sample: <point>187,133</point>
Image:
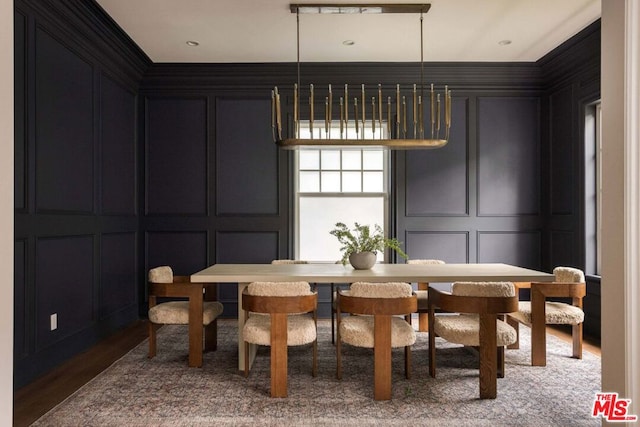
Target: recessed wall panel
<point>244,248</point>
<point>64,128</point>
<point>20,320</point>
<point>118,275</point>
<point>508,156</point>
<point>176,156</point>
<point>118,149</point>
<point>516,248</point>
<point>449,247</point>
<point>437,179</point>
<point>246,158</point>
<point>563,251</point>
<point>64,280</point>
<point>184,252</point>
<point>20,123</point>
<point>562,152</point>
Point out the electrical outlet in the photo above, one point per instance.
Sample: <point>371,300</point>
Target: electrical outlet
<point>54,321</point>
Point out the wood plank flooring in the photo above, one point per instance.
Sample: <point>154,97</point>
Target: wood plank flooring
<point>35,399</point>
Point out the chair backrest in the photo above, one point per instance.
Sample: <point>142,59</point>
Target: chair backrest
<point>288,261</point>
<point>568,275</point>
<point>279,297</point>
<point>279,289</point>
<point>476,297</point>
<point>380,290</point>
<point>483,289</point>
<point>425,261</point>
<point>162,274</point>
<point>392,298</point>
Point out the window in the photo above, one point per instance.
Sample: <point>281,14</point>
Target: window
<point>346,184</point>
<point>593,188</point>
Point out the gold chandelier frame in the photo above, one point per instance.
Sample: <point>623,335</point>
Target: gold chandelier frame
<point>399,132</point>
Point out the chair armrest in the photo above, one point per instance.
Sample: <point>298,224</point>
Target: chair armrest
<point>560,289</point>
<point>472,304</point>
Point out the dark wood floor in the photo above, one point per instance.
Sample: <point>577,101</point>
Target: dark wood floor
<point>35,399</point>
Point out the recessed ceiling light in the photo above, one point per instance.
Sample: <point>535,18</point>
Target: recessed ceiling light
<point>192,43</point>
<point>504,42</point>
<point>348,42</point>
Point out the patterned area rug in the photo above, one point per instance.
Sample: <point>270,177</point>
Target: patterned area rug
<point>137,391</point>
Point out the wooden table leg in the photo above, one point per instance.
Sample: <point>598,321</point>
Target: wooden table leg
<point>252,347</point>
<point>195,328</point>
<point>382,358</point>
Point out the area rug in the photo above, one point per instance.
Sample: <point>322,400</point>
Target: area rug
<point>163,391</point>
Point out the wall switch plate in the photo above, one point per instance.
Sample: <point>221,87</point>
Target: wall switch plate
<point>54,321</point>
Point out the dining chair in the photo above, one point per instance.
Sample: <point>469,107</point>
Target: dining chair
<point>375,324</point>
<point>162,283</point>
<point>423,295</point>
<point>537,313</point>
<point>276,315</point>
<point>476,324</point>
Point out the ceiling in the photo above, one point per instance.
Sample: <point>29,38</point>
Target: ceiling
<point>265,30</point>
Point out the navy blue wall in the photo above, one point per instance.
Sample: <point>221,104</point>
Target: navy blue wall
<point>76,209</point>
<point>122,165</point>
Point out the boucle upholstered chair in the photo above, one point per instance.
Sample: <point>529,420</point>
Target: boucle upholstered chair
<point>162,283</point>
<point>275,315</point>
<point>376,325</point>
<point>422,293</point>
<point>478,325</point>
<point>539,312</point>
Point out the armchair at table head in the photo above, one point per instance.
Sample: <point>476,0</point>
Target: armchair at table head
<point>277,315</point>
<point>477,325</point>
<point>537,313</point>
<point>162,283</point>
<point>423,294</point>
<point>376,325</point>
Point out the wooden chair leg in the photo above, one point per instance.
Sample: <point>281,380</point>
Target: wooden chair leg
<point>338,354</point>
<point>382,358</point>
<point>211,336</point>
<point>278,355</point>
<point>333,316</point>
<point>576,333</point>
<point>538,330</point>
<point>423,318</point>
<point>432,345</point>
<point>407,362</point>
<point>246,359</point>
<point>314,368</point>
<point>516,325</point>
<point>500,367</point>
<point>152,339</point>
<point>488,357</point>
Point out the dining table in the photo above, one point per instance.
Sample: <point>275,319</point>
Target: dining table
<point>241,275</point>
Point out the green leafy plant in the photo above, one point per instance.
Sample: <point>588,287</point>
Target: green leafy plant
<point>362,239</point>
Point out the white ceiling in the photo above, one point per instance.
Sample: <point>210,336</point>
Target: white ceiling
<point>265,30</point>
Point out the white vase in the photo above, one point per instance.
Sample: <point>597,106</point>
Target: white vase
<point>362,260</point>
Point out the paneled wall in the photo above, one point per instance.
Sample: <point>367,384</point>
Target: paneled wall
<point>76,222</point>
<point>477,199</point>
<point>572,76</point>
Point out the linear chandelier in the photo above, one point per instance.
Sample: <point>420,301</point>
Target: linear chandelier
<point>369,106</point>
